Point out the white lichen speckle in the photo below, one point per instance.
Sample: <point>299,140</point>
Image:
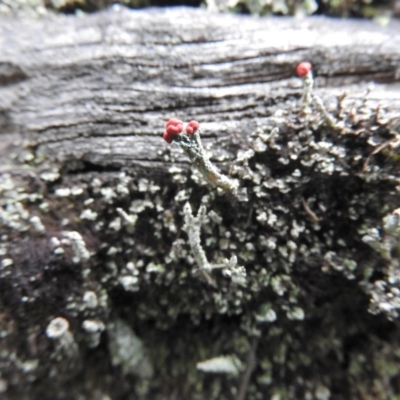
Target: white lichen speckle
<point>88,214</point>
<point>37,224</point>
<point>78,246</point>
<point>223,364</point>
<point>63,192</point>
<point>93,328</point>
<point>57,328</point>
<point>90,299</point>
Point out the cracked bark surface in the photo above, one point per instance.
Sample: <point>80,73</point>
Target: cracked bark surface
<point>83,102</point>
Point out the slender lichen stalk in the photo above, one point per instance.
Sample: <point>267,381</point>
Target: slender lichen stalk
<point>190,142</point>
<point>304,71</point>
<point>192,228</point>
<point>229,267</point>
<point>192,146</point>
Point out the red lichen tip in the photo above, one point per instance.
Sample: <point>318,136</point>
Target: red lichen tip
<point>173,122</point>
<point>303,69</point>
<point>192,127</point>
<point>174,129</point>
<point>174,126</point>
<point>168,137</point>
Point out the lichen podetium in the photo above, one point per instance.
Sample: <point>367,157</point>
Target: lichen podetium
<point>190,142</point>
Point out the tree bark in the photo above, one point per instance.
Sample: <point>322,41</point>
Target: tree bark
<point>100,295</point>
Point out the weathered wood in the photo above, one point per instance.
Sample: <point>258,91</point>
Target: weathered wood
<point>86,79</point>
<point>83,102</point>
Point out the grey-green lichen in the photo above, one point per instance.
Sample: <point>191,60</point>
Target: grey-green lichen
<point>228,268</point>
<point>65,346</point>
<point>385,240</point>
<point>193,148</point>
<point>373,9</point>
<point>127,350</point>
